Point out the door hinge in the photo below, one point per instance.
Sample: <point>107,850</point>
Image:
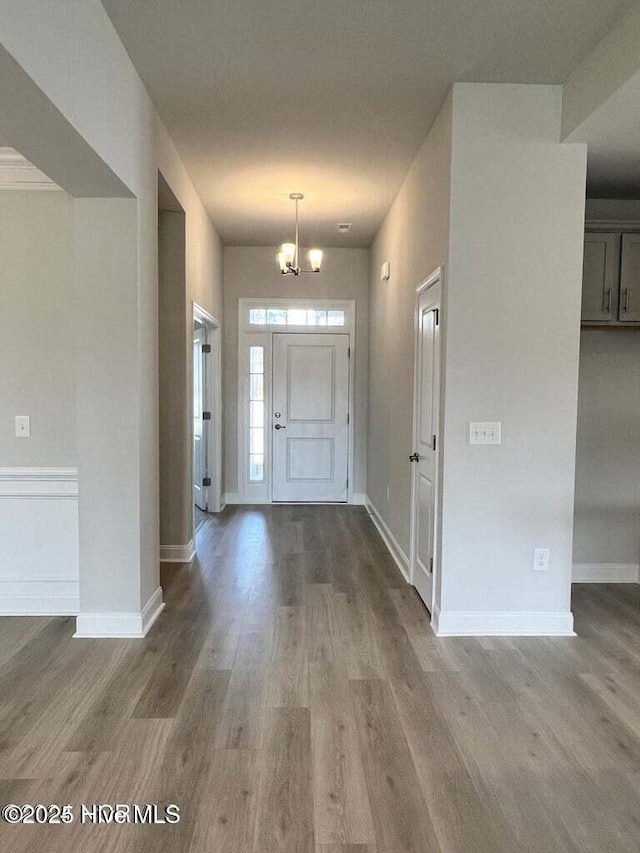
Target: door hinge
<point>430,565</point>
<point>436,311</point>
<point>206,416</point>
<point>206,347</point>
<point>434,442</point>
<point>348,417</point>
<point>206,481</point>
<point>349,352</point>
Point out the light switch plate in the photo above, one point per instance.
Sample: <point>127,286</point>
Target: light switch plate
<point>485,432</point>
<point>23,426</point>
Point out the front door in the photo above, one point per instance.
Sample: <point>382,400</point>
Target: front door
<point>310,417</point>
<point>425,454</point>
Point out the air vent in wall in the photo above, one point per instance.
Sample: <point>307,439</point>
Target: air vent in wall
<point>344,227</point>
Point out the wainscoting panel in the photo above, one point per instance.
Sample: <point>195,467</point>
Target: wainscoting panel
<point>38,541</point>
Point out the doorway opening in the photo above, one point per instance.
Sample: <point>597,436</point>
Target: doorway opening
<point>296,387</point>
<point>207,416</point>
<point>426,443</point>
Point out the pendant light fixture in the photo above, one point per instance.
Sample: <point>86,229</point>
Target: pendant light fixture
<point>289,254</point>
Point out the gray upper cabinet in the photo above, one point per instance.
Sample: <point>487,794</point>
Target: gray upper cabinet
<point>600,277</point>
<point>611,278</point>
<point>629,306</point>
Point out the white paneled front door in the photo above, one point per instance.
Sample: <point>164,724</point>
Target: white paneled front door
<point>310,417</point>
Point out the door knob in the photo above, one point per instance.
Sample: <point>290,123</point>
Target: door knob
<point>415,457</point>
<point>279,426</point>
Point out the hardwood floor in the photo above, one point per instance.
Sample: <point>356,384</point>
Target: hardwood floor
<point>293,698</point>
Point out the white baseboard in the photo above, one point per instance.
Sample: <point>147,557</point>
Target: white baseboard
<point>38,535</point>
<point>502,624</point>
<point>231,498</point>
<point>358,499</point>
<point>605,573</point>
<point>399,556</point>
<point>178,553</point>
<point>120,625</point>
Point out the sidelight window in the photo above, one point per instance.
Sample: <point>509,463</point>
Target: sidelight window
<point>256,414</point>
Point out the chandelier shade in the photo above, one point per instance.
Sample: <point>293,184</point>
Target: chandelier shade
<point>289,254</point>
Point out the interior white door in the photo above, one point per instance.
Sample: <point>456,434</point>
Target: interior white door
<point>199,424</point>
<point>310,448</point>
<point>425,455</point>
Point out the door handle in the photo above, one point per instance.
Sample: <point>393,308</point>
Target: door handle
<point>279,426</point>
<point>625,301</point>
<point>415,457</point>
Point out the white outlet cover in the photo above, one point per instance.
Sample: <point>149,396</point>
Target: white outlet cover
<point>541,559</point>
<point>485,432</point>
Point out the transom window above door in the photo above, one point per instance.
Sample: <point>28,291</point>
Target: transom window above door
<point>277,316</point>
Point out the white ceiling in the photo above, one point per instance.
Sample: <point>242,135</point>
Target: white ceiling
<point>612,134</point>
<point>331,98</point>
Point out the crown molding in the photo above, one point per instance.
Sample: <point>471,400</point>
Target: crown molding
<point>17,173</point>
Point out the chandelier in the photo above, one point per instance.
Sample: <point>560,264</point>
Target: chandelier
<point>289,254</point>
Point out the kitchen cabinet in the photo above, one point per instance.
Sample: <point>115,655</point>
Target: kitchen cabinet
<point>629,305</point>
<point>611,279</point>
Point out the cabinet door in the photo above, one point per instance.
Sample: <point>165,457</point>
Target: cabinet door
<point>629,311</point>
<point>600,277</point>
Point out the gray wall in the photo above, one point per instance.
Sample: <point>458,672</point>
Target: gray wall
<point>252,271</point>
<point>109,403</point>
<point>495,197</point>
<point>414,238</point>
<point>59,109</point>
<point>607,520</point>
<point>513,326</point>
<point>175,435</point>
<point>37,329</point>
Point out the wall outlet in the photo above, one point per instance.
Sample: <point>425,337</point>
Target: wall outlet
<point>485,432</point>
<point>541,557</point>
<point>23,426</point>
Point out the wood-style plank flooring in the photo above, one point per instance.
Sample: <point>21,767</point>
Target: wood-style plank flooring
<point>293,698</point>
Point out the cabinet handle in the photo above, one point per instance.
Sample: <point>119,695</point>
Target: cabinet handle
<point>607,305</point>
<point>625,301</point>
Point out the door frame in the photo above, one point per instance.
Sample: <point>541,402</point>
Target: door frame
<point>253,335</point>
<point>213,398</point>
<point>435,280</point>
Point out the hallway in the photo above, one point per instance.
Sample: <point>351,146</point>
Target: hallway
<point>293,698</point>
